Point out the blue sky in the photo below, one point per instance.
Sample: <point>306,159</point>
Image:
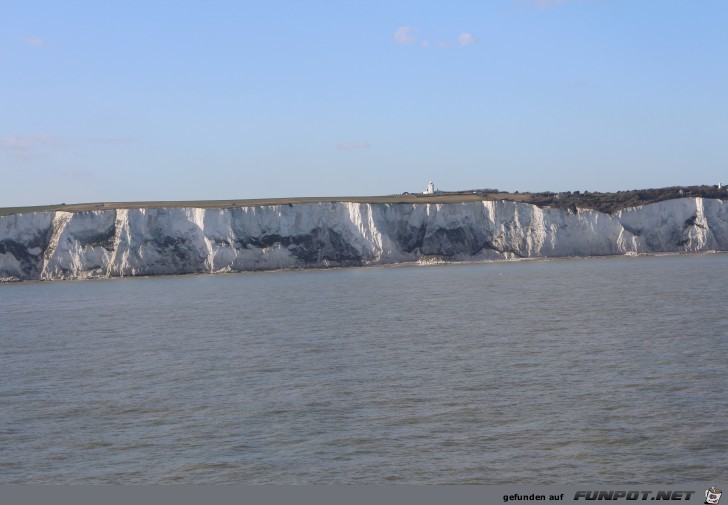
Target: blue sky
<point>118,101</point>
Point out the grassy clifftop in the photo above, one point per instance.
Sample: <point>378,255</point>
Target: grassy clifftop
<point>603,202</point>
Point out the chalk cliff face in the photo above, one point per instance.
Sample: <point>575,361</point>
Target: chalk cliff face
<point>155,241</point>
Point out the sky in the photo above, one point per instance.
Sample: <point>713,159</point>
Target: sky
<point>193,100</point>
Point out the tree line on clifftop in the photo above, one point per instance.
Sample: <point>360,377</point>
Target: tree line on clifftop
<point>607,202</point>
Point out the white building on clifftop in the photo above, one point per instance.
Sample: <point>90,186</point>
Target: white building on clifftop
<point>430,189</point>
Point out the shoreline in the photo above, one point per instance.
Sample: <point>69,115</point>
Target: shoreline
<point>403,264</point>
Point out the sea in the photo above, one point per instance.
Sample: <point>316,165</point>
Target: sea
<point>600,370</point>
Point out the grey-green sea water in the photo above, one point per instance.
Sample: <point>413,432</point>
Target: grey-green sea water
<point>605,370</point>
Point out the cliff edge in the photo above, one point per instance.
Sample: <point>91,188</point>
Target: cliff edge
<point>50,245</point>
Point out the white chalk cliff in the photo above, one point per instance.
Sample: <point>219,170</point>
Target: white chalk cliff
<point>156,241</point>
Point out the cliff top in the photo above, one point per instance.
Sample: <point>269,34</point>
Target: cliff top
<point>603,202</point>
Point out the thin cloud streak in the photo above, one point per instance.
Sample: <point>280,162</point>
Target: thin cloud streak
<point>546,4</point>
<point>27,142</point>
<point>354,145</point>
<point>112,140</point>
<point>77,173</point>
<point>407,35</point>
<point>28,146</point>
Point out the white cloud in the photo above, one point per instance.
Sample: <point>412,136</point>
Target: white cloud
<point>405,35</point>
<point>466,39</point>
<point>35,41</point>
<point>354,145</point>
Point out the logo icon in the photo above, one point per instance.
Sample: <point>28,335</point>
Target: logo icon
<point>712,495</point>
